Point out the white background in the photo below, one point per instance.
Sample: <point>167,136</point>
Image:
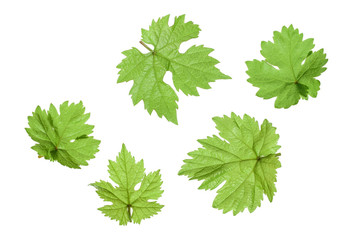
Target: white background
<point>52,51</point>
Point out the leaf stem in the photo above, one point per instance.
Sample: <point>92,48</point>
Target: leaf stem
<point>129,211</point>
<point>146,46</point>
<point>278,155</point>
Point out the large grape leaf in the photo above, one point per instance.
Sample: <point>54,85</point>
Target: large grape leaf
<point>64,136</point>
<point>190,70</point>
<point>245,159</point>
<point>289,70</point>
<point>128,204</point>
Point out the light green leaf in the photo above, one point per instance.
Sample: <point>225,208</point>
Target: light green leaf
<point>190,70</point>
<point>289,70</point>
<point>245,159</point>
<point>128,204</point>
<point>64,136</point>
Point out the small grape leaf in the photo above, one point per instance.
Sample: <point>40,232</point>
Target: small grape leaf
<point>63,137</point>
<point>297,68</point>
<point>246,160</point>
<point>190,70</point>
<point>128,204</point>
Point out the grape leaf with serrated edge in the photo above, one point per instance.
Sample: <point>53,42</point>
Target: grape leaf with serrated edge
<point>297,68</point>
<point>190,70</point>
<point>63,137</point>
<point>245,159</point>
<point>129,204</point>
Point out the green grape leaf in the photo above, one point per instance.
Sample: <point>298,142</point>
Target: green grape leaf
<point>245,159</point>
<point>64,136</point>
<point>190,70</point>
<point>289,70</point>
<point>128,204</point>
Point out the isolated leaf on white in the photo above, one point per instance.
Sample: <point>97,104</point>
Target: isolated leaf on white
<point>63,137</point>
<point>289,70</point>
<point>190,70</point>
<point>245,158</point>
<point>128,204</point>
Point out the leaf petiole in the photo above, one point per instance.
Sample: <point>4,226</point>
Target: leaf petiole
<point>146,46</point>
<point>129,211</point>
